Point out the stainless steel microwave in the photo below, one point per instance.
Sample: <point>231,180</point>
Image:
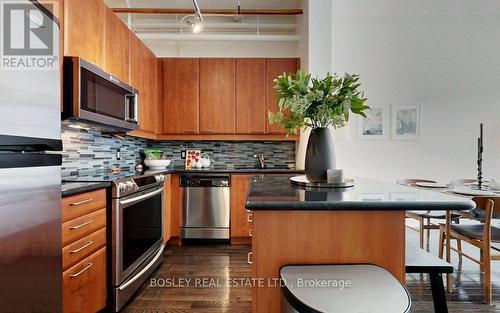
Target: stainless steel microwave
<point>96,98</point>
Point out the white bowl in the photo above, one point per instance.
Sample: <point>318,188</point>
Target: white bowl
<point>157,164</point>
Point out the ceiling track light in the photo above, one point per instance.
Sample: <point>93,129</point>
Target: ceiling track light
<point>194,21</point>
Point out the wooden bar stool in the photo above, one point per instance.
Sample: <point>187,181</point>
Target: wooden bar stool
<point>342,288</point>
<point>480,236</point>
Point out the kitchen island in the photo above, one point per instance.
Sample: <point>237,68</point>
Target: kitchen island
<point>357,225</point>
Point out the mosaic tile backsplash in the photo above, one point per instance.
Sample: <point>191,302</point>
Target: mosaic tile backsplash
<point>88,151</point>
<point>232,153</point>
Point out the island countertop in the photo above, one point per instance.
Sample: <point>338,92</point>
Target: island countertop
<point>277,193</point>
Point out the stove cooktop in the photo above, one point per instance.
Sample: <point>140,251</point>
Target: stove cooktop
<point>111,177</point>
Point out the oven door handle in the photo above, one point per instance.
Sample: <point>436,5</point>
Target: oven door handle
<point>141,197</point>
<point>144,270</point>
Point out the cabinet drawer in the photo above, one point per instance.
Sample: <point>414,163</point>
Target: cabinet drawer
<point>76,206</point>
<point>82,226</point>
<point>80,249</point>
<point>84,285</point>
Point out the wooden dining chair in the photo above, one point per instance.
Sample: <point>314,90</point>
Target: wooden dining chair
<point>424,217</point>
<point>480,236</point>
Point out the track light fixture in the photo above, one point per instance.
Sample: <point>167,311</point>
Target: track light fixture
<point>196,23</point>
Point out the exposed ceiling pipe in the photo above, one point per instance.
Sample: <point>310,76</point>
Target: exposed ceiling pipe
<point>217,37</point>
<point>166,25</point>
<point>210,11</point>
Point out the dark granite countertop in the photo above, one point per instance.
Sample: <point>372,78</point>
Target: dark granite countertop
<point>92,181</point>
<point>277,193</point>
<point>107,176</point>
<point>237,169</point>
<point>74,188</point>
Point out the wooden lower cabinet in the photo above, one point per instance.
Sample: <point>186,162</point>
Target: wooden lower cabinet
<point>82,226</point>
<point>176,207</point>
<point>84,247</point>
<point>167,208</point>
<point>284,237</point>
<point>240,217</point>
<point>84,285</point>
<point>84,252</point>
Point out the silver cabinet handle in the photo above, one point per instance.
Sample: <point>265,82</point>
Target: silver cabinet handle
<point>250,217</point>
<point>250,232</point>
<point>249,257</point>
<point>83,270</point>
<point>81,225</point>
<point>82,247</point>
<point>80,202</point>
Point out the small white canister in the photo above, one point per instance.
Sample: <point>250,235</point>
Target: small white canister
<point>335,176</point>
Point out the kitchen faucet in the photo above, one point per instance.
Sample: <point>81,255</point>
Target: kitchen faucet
<point>260,158</point>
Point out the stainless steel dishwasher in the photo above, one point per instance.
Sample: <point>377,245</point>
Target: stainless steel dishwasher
<point>205,206</point>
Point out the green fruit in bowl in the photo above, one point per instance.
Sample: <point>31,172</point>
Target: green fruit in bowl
<point>154,154</point>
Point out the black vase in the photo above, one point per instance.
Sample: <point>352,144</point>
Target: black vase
<point>320,155</point>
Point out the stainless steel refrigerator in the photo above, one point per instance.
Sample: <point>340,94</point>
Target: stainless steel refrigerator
<point>30,166</point>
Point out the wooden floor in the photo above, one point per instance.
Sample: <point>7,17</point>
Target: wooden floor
<point>216,264</point>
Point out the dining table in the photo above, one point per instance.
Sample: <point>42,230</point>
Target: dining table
<point>468,191</point>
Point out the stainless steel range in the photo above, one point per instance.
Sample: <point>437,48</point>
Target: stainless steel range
<point>137,233</point>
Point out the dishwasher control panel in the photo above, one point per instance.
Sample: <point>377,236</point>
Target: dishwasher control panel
<point>205,181</point>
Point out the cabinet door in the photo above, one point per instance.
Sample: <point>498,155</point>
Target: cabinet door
<point>142,77</point>
<point>181,96</point>
<point>240,226</point>
<point>274,68</point>
<point>251,113</point>
<point>217,103</point>
<point>116,46</point>
<point>149,118</point>
<point>167,208</point>
<point>84,285</point>
<point>84,31</point>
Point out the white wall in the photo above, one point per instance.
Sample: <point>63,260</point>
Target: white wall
<point>315,50</point>
<point>442,55</point>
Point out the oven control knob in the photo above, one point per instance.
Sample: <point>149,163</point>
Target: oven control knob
<point>130,186</point>
<point>160,178</point>
<point>122,187</point>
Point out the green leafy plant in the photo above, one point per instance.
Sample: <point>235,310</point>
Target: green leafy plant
<point>316,102</point>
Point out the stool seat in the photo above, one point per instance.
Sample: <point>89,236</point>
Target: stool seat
<point>342,289</point>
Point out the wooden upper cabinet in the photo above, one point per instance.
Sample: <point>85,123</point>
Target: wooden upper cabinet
<point>180,93</point>
<point>84,31</point>
<point>274,68</point>
<point>149,118</point>
<point>251,113</point>
<point>137,63</point>
<point>217,96</point>
<point>116,46</point>
<point>142,77</point>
